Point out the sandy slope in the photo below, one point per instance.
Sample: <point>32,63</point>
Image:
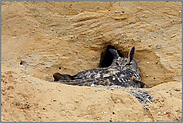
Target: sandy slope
<point>41,38</point>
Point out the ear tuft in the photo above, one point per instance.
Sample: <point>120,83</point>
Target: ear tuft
<point>114,53</point>
<point>130,55</point>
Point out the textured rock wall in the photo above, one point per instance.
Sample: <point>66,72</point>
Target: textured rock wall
<point>41,38</point>
<point>72,38</point>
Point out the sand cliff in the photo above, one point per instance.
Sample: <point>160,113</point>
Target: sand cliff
<point>41,38</point>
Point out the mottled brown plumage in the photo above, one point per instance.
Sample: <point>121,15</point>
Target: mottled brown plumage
<point>122,72</point>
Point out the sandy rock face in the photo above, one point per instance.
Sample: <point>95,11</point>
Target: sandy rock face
<point>41,38</point>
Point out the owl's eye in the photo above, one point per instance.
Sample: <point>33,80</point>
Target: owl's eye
<point>129,63</point>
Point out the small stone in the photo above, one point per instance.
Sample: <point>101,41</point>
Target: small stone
<point>149,45</point>
<point>173,36</point>
<point>11,96</point>
<point>54,100</point>
<point>10,87</point>
<point>147,62</point>
<point>76,101</point>
<point>23,76</point>
<point>146,75</point>
<point>154,77</point>
<point>92,85</point>
<point>33,31</point>
<point>164,112</point>
<point>97,7</point>
<point>123,11</point>
<point>159,113</point>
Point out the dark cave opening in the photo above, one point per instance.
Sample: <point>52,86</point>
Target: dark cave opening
<point>106,57</point>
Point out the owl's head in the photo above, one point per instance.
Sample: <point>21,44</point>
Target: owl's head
<point>122,63</point>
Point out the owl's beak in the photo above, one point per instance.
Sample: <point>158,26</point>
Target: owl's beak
<point>122,66</point>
